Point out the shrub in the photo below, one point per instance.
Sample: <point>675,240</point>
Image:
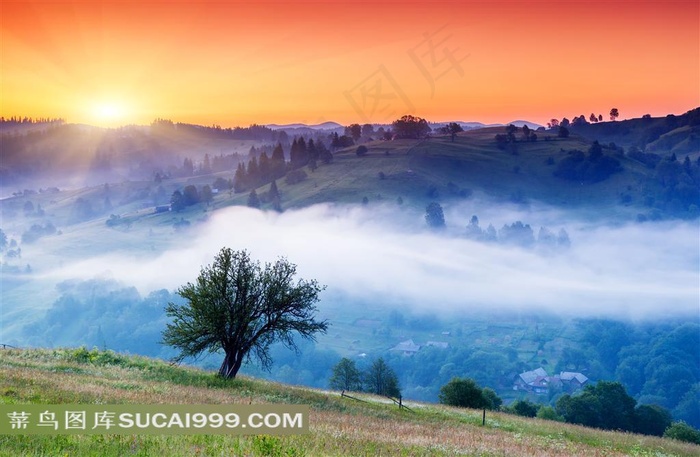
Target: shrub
<point>682,432</point>
<point>463,392</point>
<point>548,413</point>
<point>524,408</point>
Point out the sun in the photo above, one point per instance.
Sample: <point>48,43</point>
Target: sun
<point>109,113</point>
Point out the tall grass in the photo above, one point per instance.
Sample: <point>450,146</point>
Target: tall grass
<point>338,426</point>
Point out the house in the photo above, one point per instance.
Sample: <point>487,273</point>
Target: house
<point>438,344</point>
<point>539,382</point>
<point>407,347</point>
<point>532,381</point>
<point>572,380</point>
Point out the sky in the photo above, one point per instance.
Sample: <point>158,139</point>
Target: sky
<point>237,63</point>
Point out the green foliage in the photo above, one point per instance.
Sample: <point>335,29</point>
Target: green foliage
<point>241,308</point>
<point>687,408</point>
<point>651,420</point>
<point>465,393</point>
<point>493,401</point>
<point>381,379</point>
<point>549,413</point>
<point>345,376</point>
<point>524,408</point>
<point>683,432</point>
<point>580,409</point>
<point>607,405</point>
<point>596,167</point>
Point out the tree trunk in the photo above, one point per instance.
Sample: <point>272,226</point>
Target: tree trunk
<point>231,364</point>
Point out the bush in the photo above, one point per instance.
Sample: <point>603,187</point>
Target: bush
<point>548,413</point>
<point>37,231</point>
<point>651,420</point>
<point>463,392</point>
<point>682,432</point>
<point>493,401</point>
<point>361,150</point>
<point>524,408</point>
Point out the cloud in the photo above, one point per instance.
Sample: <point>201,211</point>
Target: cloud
<point>386,256</point>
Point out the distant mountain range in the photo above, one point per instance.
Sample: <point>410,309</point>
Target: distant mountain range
<point>297,127</point>
<point>323,126</point>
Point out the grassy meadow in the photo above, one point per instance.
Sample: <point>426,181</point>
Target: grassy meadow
<point>338,426</point>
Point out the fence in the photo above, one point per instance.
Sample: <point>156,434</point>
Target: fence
<point>398,402</point>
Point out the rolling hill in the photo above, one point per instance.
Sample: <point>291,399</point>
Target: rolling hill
<point>337,425</point>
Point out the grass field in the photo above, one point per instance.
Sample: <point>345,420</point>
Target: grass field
<point>338,426</point>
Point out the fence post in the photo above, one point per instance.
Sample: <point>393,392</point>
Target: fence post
<point>483,418</point>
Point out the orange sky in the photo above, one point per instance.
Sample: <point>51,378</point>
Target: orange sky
<point>237,63</point>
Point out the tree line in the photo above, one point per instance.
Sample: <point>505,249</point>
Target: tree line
<point>605,405</point>
<point>379,378</point>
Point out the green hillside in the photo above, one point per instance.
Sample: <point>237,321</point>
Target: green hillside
<point>338,426</point>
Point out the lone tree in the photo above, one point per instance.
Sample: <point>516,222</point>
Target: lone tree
<point>380,379</point>
<point>614,114</point>
<point>410,127</point>
<point>451,129</point>
<point>463,392</point>
<point>345,376</point>
<point>434,216</point>
<point>241,308</point>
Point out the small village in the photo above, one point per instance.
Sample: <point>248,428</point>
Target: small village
<point>537,381</point>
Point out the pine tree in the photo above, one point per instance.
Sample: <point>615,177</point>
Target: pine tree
<point>239,179</point>
<point>323,153</point>
<point>253,173</point>
<point>380,379</point>
<point>187,167</point>
<point>253,200</point>
<point>206,166</point>
<point>265,168</point>
<point>312,154</point>
<point>273,192</point>
<point>278,162</point>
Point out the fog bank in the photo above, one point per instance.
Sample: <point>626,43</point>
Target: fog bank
<point>388,255</point>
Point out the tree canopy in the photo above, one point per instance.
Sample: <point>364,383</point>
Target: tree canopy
<point>241,308</point>
<point>381,379</point>
<point>410,127</point>
<point>451,129</point>
<point>345,376</point>
<point>434,216</point>
<point>465,393</point>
